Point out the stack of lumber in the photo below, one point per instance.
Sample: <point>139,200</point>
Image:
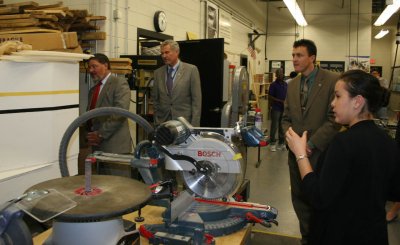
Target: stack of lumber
<point>30,17</point>
<point>118,66</point>
<point>121,65</point>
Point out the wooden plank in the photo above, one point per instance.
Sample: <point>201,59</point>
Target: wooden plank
<point>62,8</point>
<point>22,24</point>
<point>14,16</point>
<point>9,10</point>
<point>58,13</point>
<point>55,5</point>
<point>69,14</point>
<point>94,18</point>
<point>27,30</point>
<point>50,24</point>
<point>27,20</point>
<point>19,29</point>
<point>118,67</point>
<point>50,17</point>
<point>125,60</point>
<point>121,71</point>
<point>28,4</point>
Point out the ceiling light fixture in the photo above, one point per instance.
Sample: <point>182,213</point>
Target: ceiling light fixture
<point>296,12</point>
<point>387,13</point>
<point>381,34</point>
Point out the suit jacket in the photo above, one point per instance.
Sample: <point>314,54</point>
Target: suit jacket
<point>185,100</point>
<point>317,118</point>
<point>114,129</point>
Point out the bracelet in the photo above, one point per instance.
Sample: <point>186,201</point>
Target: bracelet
<point>300,157</point>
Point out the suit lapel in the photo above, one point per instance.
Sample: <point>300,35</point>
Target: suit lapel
<point>296,95</point>
<point>104,90</point>
<point>164,78</point>
<point>316,87</point>
<point>178,76</point>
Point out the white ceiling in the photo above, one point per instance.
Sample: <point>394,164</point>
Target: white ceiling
<point>256,10</point>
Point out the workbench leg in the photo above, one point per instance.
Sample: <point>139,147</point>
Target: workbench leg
<point>258,157</point>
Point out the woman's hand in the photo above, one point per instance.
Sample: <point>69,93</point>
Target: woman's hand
<point>297,144</point>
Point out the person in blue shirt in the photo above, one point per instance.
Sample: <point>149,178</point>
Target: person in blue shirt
<point>277,94</point>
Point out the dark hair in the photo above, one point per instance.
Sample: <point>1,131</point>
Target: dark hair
<point>359,82</point>
<point>293,74</point>
<point>101,58</point>
<point>310,45</point>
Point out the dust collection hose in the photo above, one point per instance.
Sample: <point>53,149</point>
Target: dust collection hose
<point>104,111</point>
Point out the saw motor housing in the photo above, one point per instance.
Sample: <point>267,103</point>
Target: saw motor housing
<point>210,164</point>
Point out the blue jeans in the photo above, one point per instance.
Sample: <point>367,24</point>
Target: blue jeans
<point>276,123</point>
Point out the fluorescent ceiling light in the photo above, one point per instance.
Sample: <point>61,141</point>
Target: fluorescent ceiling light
<point>296,12</point>
<point>387,13</point>
<point>381,34</point>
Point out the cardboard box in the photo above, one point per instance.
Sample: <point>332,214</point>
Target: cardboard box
<point>99,35</point>
<point>39,41</point>
<point>71,39</point>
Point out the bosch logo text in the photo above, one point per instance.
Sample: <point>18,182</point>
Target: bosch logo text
<point>208,153</point>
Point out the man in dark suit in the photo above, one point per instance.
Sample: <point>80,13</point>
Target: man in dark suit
<point>307,108</point>
<point>111,133</point>
<point>177,88</point>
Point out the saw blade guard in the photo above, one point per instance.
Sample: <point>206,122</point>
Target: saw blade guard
<point>222,159</point>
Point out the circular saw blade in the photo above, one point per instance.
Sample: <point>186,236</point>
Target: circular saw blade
<point>212,186</point>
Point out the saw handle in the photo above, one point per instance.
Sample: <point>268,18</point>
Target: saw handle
<point>145,233</point>
<point>197,164</point>
<point>251,217</point>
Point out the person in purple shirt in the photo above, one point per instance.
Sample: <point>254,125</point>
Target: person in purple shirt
<point>277,94</point>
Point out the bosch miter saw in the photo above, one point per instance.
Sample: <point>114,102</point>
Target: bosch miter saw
<point>211,168</point>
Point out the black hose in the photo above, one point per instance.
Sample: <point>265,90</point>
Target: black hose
<point>104,111</point>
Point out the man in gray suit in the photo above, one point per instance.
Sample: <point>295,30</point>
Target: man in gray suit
<point>177,88</point>
<point>307,108</point>
<point>111,133</point>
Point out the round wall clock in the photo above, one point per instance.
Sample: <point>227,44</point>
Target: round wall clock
<point>160,21</point>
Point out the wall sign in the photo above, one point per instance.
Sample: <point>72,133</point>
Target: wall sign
<point>335,66</point>
<point>211,20</point>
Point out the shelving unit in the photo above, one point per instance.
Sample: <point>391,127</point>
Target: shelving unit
<point>260,87</point>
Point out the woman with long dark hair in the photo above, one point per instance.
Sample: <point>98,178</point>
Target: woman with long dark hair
<point>359,167</point>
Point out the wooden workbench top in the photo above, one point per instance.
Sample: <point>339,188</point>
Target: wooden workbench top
<point>152,215</point>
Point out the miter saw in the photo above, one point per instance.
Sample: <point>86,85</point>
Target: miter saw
<point>211,166</point>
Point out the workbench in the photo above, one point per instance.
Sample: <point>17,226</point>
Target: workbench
<point>152,215</point>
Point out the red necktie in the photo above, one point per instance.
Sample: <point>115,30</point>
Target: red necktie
<point>95,95</point>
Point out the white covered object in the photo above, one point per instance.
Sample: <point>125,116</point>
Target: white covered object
<point>38,101</point>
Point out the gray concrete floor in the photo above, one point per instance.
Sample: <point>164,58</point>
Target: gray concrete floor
<point>270,184</point>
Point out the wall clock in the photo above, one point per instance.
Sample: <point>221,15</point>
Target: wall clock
<point>160,21</point>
